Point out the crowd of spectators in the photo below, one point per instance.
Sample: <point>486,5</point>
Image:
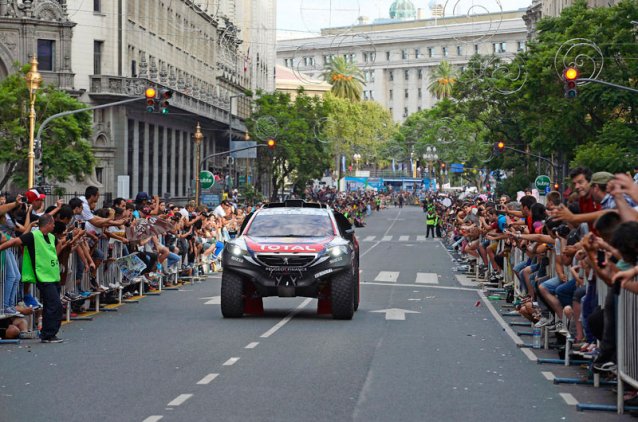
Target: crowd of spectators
<point>570,250</point>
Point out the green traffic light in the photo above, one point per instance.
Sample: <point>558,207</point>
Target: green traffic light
<point>165,111</point>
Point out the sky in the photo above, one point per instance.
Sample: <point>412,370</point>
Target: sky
<point>299,18</point>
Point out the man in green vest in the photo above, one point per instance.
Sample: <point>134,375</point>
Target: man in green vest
<point>40,265</point>
<point>430,220</point>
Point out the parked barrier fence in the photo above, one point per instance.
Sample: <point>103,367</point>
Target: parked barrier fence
<point>627,340</point>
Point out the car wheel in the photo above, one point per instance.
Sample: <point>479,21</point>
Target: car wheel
<point>232,295</point>
<point>357,277</point>
<point>342,290</point>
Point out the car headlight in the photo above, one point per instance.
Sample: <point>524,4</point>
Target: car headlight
<point>236,250</point>
<point>336,251</point>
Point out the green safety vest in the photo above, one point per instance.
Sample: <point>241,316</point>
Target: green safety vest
<point>430,219</point>
<point>47,267</point>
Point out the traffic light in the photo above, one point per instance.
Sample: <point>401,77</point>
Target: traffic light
<point>442,166</point>
<point>556,186</point>
<point>570,78</point>
<point>164,96</point>
<point>151,97</point>
<point>271,144</point>
<point>499,147</point>
<point>39,173</point>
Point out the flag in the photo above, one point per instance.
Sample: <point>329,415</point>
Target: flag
<point>343,163</point>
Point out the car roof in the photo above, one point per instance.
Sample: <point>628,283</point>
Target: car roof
<point>293,210</point>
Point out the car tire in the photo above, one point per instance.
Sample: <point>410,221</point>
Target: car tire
<point>357,295</point>
<point>232,295</point>
<point>342,291</point>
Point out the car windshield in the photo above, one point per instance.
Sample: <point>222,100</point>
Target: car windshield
<point>291,225</point>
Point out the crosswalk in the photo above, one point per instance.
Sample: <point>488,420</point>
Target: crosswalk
<point>400,238</point>
<point>394,277</point>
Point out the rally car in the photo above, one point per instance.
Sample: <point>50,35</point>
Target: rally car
<point>292,249</point>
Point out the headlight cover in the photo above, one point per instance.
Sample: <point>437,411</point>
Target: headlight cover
<point>339,250</point>
<point>235,250</point>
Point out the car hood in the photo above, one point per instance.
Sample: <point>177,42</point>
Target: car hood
<point>287,244</point>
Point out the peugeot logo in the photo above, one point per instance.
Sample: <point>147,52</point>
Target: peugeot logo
<point>285,260</point>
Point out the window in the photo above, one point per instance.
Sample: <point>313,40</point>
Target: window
<point>390,75</point>
<point>133,69</point>
<point>418,108</point>
<point>499,47</point>
<point>420,93</point>
<point>521,46</point>
<point>430,51</point>
<point>387,56</point>
<point>98,47</point>
<point>288,62</point>
<point>476,48</point>
<point>371,95</point>
<point>404,54</point>
<point>458,50</point>
<point>405,112</point>
<point>406,74</point>
<point>419,74</point>
<point>99,174</point>
<point>327,58</point>
<point>308,61</point>
<point>365,57</point>
<point>46,54</point>
<point>97,5</point>
<point>406,93</point>
<point>444,51</point>
<point>390,94</point>
<point>417,53</point>
<point>365,95</point>
<point>390,110</point>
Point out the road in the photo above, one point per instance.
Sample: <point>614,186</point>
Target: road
<point>439,354</point>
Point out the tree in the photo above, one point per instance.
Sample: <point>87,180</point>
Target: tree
<point>66,152</point>
<point>346,79</point>
<point>443,78</point>
<point>298,156</point>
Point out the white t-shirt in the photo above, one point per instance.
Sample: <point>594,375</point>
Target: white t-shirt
<point>86,215</point>
<point>219,212</point>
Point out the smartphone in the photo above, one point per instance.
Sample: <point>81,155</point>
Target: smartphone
<point>600,258</point>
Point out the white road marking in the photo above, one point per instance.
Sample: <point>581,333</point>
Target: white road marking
<point>527,352</point>
<point>153,418</point>
<point>377,242</point>
<point>179,400</point>
<point>548,375</point>
<point>252,345</point>
<point>425,286</point>
<point>569,399</point>
<point>387,276</point>
<point>464,280</point>
<point>427,278</point>
<point>404,238</point>
<point>395,314</point>
<point>386,238</point>
<point>420,238</point>
<point>207,379</point>
<point>212,300</point>
<point>369,239</point>
<point>287,318</point>
<point>231,361</point>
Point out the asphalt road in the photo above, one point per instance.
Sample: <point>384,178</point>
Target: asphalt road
<point>174,358</point>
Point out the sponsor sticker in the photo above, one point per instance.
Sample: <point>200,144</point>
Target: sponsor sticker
<point>339,259</point>
<point>236,259</point>
<point>324,272</point>
<point>286,269</point>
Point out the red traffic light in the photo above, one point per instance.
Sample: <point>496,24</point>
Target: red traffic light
<point>271,143</point>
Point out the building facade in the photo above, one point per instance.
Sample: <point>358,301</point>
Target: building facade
<point>552,8</point>
<point>207,53</point>
<point>397,56</point>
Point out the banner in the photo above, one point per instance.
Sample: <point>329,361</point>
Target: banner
<point>142,228</point>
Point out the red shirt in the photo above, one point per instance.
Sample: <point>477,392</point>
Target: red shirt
<point>587,205</point>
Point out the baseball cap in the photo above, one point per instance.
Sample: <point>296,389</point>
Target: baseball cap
<point>33,195</point>
<point>142,196</point>
<point>601,178</point>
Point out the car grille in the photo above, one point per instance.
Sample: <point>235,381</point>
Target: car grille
<point>278,260</point>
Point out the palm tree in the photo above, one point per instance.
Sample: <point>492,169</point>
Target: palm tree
<point>346,79</point>
<point>443,78</point>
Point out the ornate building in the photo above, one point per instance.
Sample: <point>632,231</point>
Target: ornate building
<point>542,8</point>
<point>209,53</point>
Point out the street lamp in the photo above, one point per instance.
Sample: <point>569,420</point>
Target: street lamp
<point>33,79</point>
<point>356,157</point>
<point>198,137</point>
<point>431,157</point>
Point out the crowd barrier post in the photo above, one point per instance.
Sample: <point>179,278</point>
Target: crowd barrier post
<point>3,269</point>
<point>627,344</point>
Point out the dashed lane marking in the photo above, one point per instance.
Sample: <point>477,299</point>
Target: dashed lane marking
<point>179,400</point>
<point>153,418</point>
<point>569,399</point>
<point>252,345</point>
<point>369,239</point>
<point>427,278</point>
<point>286,319</point>
<point>386,238</point>
<point>420,238</point>
<point>548,375</point>
<point>423,286</point>
<point>387,276</point>
<point>231,361</point>
<point>207,379</point>
<point>404,238</point>
<point>464,280</point>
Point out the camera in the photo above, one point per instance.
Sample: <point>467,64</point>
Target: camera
<point>600,258</point>
<point>562,230</point>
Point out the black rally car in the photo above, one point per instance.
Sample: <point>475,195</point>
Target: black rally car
<point>292,249</point>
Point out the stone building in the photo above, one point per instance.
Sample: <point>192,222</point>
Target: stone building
<point>544,8</point>
<point>104,51</point>
<point>397,55</point>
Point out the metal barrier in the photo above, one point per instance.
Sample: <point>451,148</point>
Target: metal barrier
<point>627,344</point>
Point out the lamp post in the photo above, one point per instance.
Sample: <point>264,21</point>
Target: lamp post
<point>198,137</point>
<point>356,157</point>
<point>33,79</point>
<point>431,157</point>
